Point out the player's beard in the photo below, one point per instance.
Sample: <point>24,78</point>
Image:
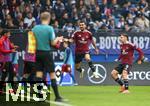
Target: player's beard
<point>82,29</point>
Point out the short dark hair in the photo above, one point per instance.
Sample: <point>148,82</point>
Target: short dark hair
<point>82,21</point>
<point>124,34</point>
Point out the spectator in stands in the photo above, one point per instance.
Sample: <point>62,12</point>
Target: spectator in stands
<point>96,14</point>
<point>104,21</point>
<point>29,20</point>
<point>82,9</point>
<point>64,20</point>
<point>127,28</point>
<point>21,25</point>
<point>91,27</point>
<point>13,8</point>
<point>56,26</point>
<point>32,25</point>
<point>74,15</point>
<point>143,4</point>
<point>112,25</point>
<point>142,23</point>
<point>53,18</point>
<point>18,19</point>
<point>114,5</point>
<point>92,6</point>
<point>103,6</point>
<point>59,9</point>
<point>9,23</point>
<point>68,27</point>
<point>1,30</point>
<point>132,10</point>
<point>104,27</point>
<point>88,19</point>
<point>37,7</point>
<point>130,19</point>
<point>125,9</point>
<point>3,13</point>
<point>48,6</point>
<point>97,25</point>
<point>121,23</point>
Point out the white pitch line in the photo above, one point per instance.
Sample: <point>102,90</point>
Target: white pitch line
<point>49,102</point>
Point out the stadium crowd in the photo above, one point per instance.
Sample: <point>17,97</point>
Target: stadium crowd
<point>127,15</point>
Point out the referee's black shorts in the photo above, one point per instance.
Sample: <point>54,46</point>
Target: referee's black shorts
<point>44,61</point>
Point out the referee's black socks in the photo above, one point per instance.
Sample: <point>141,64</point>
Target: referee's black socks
<point>55,88</point>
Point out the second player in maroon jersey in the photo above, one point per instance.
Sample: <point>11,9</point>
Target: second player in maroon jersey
<point>126,58</point>
<point>127,53</point>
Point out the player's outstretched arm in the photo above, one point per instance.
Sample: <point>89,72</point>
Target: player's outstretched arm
<point>56,40</point>
<point>141,55</point>
<point>96,49</point>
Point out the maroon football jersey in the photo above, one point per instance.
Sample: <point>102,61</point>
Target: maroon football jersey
<point>82,41</point>
<point>127,53</point>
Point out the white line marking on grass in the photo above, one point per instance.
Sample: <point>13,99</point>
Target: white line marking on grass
<point>49,102</point>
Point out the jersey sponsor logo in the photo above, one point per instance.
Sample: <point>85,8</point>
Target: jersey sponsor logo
<point>83,41</point>
<point>102,73</point>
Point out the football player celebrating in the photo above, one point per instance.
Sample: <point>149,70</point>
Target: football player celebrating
<point>126,58</point>
<point>83,39</point>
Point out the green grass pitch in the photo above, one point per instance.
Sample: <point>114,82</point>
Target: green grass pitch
<point>105,96</point>
<point>93,96</point>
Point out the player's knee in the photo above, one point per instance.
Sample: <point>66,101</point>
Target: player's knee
<point>114,73</point>
<point>87,57</point>
<point>124,74</point>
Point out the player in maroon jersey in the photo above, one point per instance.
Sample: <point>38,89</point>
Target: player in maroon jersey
<point>82,39</point>
<point>126,58</point>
